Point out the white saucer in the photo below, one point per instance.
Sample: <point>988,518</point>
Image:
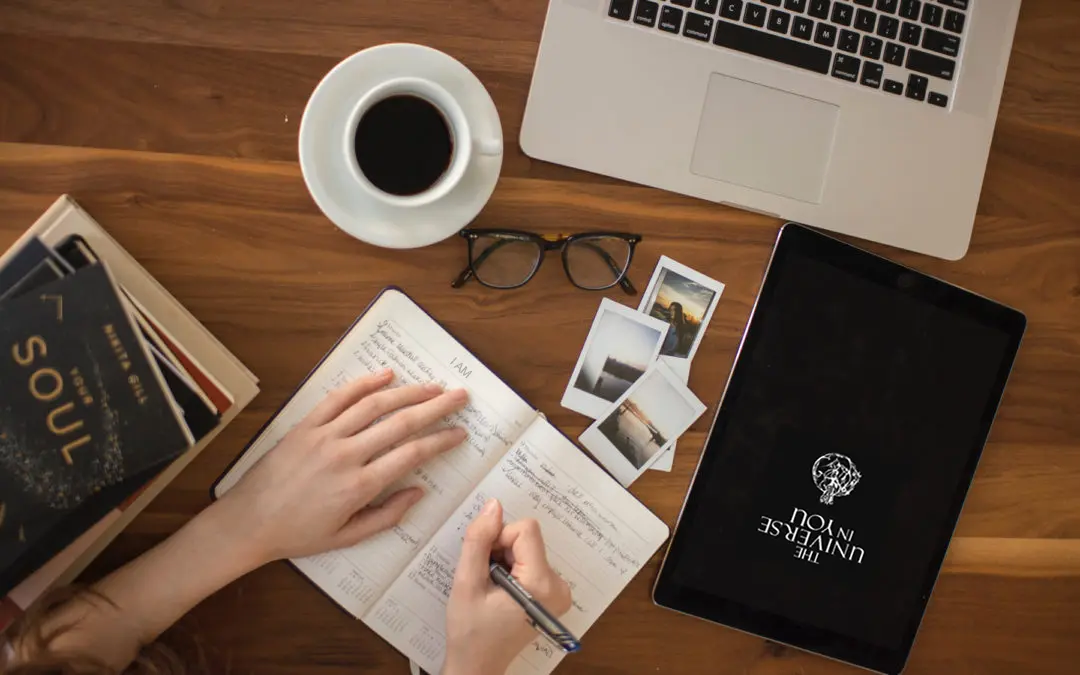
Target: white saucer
<point>323,161</point>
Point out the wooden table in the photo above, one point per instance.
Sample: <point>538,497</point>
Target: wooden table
<point>174,122</point>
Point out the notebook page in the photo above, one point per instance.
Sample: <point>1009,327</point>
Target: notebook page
<point>396,333</point>
<point>597,535</point>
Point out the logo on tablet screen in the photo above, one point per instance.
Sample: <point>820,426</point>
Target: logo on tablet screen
<point>835,475</point>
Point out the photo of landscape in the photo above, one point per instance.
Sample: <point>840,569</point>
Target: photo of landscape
<point>652,415</point>
<point>620,350</point>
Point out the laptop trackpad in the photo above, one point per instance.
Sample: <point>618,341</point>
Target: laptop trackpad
<point>765,138</point>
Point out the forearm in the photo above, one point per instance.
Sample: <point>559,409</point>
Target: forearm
<point>151,593</point>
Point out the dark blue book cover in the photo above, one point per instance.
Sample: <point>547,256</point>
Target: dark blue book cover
<point>83,407</point>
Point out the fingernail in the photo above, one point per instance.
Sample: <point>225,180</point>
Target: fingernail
<point>416,496</point>
<point>459,394</point>
<point>432,388</point>
<point>384,374</point>
<point>489,507</point>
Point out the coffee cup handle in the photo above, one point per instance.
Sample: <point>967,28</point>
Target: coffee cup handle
<point>489,146</point>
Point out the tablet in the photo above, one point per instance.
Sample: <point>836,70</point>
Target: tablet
<point>841,453</point>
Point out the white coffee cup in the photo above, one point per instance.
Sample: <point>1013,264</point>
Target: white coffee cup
<point>461,137</point>
<point>327,146</point>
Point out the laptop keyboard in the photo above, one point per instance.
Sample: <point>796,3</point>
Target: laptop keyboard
<point>908,48</point>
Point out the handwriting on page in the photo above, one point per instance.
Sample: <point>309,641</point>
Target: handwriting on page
<point>388,346</point>
<point>572,509</point>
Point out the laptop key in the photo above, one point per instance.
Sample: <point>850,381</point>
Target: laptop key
<point>909,9</point>
<point>819,9</point>
<point>865,3</point>
<point>865,20</point>
<point>779,21</point>
<point>621,9</point>
<point>894,54</point>
<point>841,13</point>
<point>911,33</point>
<point>825,34</point>
<point>755,14</point>
<point>774,3</point>
<point>887,6</point>
<point>894,87</point>
<point>645,12</point>
<point>871,74</point>
<point>846,67</point>
<point>706,6</point>
<point>683,3</point>
<point>795,5</point>
<point>698,26</point>
<point>940,100</point>
<point>959,4</point>
<point>954,21</point>
<point>670,19</point>
<point>871,47</point>
<point>773,47</point>
<point>849,41</point>
<point>731,9</point>
<point>916,87</point>
<point>888,27</point>
<point>931,14</point>
<point>930,64</point>
<point>942,43</point>
<point>802,28</point>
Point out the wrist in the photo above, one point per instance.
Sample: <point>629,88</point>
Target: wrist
<point>224,523</point>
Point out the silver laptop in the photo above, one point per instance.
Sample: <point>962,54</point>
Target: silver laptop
<point>868,117</point>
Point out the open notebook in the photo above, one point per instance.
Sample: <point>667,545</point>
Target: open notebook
<point>598,536</point>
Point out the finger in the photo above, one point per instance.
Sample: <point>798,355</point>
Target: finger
<point>524,543</point>
<point>344,396</point>
<point>401,461</point>
<point>473,566</point>
<point>375,519</point>
<point>411,421</point>
<point>362,413</point>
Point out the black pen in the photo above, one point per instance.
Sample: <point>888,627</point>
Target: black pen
<point>541,619</point>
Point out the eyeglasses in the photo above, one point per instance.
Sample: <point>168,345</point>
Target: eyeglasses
<point>506,259</point>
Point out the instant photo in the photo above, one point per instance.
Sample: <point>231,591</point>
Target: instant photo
<point>638,428</point>
<point>684,299</point>
<point>621,346</point>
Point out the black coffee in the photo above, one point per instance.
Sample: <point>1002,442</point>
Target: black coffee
<point>403,145</point>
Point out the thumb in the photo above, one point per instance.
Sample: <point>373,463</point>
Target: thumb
<point>375,519</point>
<point>473,565</point>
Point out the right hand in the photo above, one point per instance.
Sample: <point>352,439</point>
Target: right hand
<point>485,628</point>
<point>313,491</point>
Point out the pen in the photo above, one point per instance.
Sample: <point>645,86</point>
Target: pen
<point>541,619</point>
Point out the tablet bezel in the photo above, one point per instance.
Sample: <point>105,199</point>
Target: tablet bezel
<point>797,238</point>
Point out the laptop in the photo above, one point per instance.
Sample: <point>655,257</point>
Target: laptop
<point>871,118</point>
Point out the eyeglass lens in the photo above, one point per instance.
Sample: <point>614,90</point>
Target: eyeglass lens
<point>597,262</point>
<point>504,263</point>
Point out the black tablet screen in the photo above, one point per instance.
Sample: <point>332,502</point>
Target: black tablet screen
<point>846,441</point>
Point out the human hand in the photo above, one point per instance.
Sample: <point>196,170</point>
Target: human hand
<point>313,492</point>
<point>485,627</point>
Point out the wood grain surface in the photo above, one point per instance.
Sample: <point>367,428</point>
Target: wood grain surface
<point>174,123</point>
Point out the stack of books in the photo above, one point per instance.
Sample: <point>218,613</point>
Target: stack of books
<point>108,389</point>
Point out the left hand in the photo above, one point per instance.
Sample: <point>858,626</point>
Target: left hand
<point>313,492</point>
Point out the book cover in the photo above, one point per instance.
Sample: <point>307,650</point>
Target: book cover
<point>84,406</point>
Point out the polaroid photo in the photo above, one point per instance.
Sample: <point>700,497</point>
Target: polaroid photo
<point>642,424</point>
<point>684,299</point>
<point>681,368</point>
<point>621,346</point>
